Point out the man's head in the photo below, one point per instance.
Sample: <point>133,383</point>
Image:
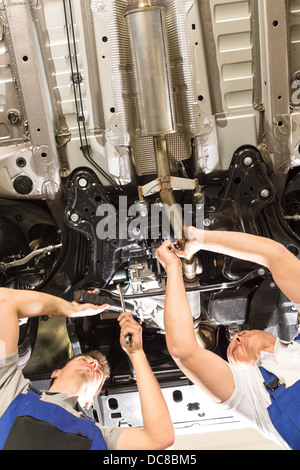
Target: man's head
<point>82,375</point>
<point>246,346</point>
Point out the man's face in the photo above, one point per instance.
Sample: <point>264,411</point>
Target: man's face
<point>83,369</point>
<point>246,346</point>
<point>87,368</point>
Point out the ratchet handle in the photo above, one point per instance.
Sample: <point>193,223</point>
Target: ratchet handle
<point>84,297</point>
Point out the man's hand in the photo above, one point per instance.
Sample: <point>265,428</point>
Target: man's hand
<point>76,310</point>
<point>131,327</point>
<point>194,242</point>
<point>166,255</point>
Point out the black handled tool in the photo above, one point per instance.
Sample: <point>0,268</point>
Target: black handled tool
<point>82,296</point>
<point>112,312</point>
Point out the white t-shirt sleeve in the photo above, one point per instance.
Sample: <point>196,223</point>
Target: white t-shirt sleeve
<point>250,401</point>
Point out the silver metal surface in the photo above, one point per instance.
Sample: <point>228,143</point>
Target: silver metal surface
<point>276,95</point>
<point>188,407</point>
<point>27,60</point>
<point>151,70</point>
<point>222,72</point>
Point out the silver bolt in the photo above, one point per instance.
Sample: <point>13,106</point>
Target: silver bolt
<point>74,217</point>
<point>264,193</point>
<point>82,182</point>
<point>13,116</point>
<point>136,231</point>
<point>206,222</point>
<point>248,161</point>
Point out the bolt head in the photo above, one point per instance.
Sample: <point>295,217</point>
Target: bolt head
<point>264,193</point>
<point>74,217</point>
<point>206,222</point>
<point>82,182</point>
<point>248,161</point>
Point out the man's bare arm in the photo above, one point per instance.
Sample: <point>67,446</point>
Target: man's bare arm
<point>157,431</point>
<point>17,304</point>
<point>283,265</point>
<point>203,367</point>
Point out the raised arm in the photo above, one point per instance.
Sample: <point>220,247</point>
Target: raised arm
<point>202,367</point>
<point>283,265</point>
<point>17,304</point>
<point>157,431</point>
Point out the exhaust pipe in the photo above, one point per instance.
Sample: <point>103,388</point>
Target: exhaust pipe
<point>146,27</point>
<point>166,193</point>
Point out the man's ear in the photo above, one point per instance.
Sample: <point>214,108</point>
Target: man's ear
<point>55,374</point>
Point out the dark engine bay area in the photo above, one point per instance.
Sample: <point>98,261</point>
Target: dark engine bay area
<point>113,112</point>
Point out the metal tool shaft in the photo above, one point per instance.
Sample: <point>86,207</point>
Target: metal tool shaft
<point>128,338</point>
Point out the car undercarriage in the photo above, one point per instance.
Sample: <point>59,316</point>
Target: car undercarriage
<point>121,123</point>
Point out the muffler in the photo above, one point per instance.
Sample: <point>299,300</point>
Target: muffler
<point>146,27</point>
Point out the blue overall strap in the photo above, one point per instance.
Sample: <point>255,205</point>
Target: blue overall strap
<point>284,410</point>
<point>28,410</point>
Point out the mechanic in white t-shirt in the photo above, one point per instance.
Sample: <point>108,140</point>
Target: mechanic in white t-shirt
<point>239,384</point>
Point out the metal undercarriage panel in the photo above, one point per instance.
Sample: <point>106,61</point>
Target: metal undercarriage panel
<point>113,111</point>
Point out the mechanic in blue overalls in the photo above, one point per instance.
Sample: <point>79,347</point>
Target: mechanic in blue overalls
<point>261,380</point>
<point>55,419</point>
